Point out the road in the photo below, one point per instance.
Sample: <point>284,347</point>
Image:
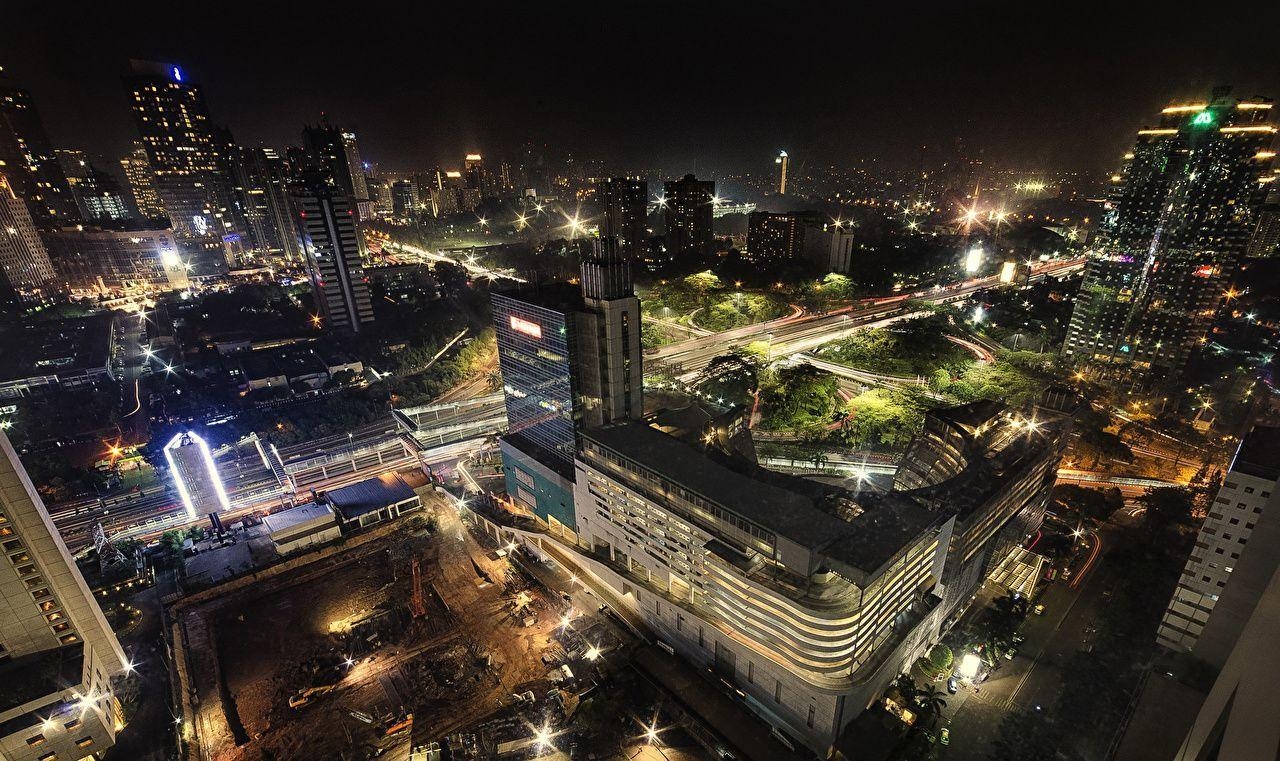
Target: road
<point>798,333</point>
<point>1034,677</point>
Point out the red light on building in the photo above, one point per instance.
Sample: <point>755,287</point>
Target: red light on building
<point>532,329</point>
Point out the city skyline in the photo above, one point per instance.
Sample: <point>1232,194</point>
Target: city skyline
<point>515,62</point>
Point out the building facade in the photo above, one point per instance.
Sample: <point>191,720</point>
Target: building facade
<point>333,247</point>
<point>689,205</point>
<point>137,173</point>
<point>26,271</point>
<point>58,655</point>
<point>188,172</point>
<point>773,238</point>
<point>1177,220</point>
<point>625,202</point>
<point>1237,509</point>
<point>570,356</point>
<point>28,160</point>
<point>117,262</point>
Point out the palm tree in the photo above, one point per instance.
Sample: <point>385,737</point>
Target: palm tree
<point>931,701</point>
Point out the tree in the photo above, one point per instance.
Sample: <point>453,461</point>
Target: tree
<point>938,661</point>
<point>931,701</point>
<point>1026,735</point>
<point>703,282</point>
<point>1166,507</point>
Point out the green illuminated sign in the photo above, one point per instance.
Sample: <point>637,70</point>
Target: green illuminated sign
<point>1203,118</point>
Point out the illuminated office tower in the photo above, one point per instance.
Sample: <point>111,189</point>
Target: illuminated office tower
<point>173,122</point>
<point>333,248</point>
<point>1177,220</point>
<point>58,655</point>
<point>689,205</point>
<point>625,201</point>
<point>570,358</point>
<point>137,173</point>
<point>28,160</point>
<point>26,272</point>
<point>781,162</point>
<point>196,475</point>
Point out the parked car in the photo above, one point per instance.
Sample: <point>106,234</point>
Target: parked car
<point>953,686</point>
<point>945,738</point>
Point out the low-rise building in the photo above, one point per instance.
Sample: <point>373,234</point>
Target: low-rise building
<point>372,501</point>
<point>302,526</point>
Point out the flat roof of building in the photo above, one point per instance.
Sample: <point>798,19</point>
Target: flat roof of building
<point>868,533</point>
<point>298,515</point>
<point>369,495</point>
<point>35,675</point>
<point>1259,454</point>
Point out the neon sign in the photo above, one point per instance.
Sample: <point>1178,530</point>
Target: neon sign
<point>531,329</point>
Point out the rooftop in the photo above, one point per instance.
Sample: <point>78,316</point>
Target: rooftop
<point>863,534</point>
<point>367,496</point>
<point>557,296</point>
<point>36,675</point>
<point>1259,454</point>
<point>297,516</point>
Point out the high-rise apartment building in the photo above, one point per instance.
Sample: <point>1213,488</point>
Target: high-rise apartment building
<point>333,248</point>
<point>689,205</point>
<point>1195,622</point>
<point>187,172</point>
<point>625,202</point>
<point>781,162</point>
<point>58,655</point>
<point>137,173</point>
<point>1177,220</point>
<point>27,158</point>
<point>570,357</point>
<point>830,247</point>
<point>774,238</point>
<point>26,272</point>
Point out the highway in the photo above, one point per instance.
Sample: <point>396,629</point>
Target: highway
<point>798,333</point>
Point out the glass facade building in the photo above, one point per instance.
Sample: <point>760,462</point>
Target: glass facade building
<point>1177,220</point>
<point>535,334</point>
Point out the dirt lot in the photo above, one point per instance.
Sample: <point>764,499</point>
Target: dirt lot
<point>450,666</point>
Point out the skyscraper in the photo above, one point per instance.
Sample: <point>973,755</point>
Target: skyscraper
<point>333,248</point>
<point>27,159</point>
<point>173,122</point>
<point>1176,222</point>
<point>335,153</point>
<point>351,148</point>
<point>58,655</point>
<point>570,357</point>
<point>625,202</point>
<point>781,162</point>
<point>689,205</point>
<point>26,272</point>
<point>137,173</point>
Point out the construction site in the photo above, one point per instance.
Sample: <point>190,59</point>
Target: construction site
<point>410,640</point>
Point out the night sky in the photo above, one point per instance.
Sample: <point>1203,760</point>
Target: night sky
<point>663,86</point>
